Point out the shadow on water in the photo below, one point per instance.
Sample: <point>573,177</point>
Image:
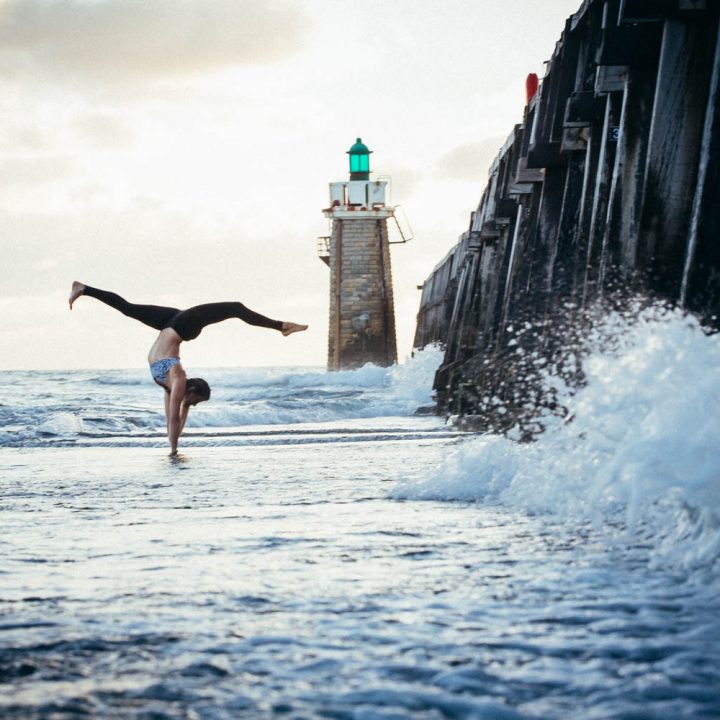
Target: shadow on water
<point>178,461</point>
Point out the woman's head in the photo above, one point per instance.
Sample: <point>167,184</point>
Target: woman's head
<point>198,388</point>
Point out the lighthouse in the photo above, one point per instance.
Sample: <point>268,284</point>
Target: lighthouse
<point>362,316</point>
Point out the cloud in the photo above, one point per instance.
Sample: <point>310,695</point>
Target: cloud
<point>470,161</point>
<point>29,172</point>
<point>135,40</point>
<point>102,130</point>
<point>19,135</point>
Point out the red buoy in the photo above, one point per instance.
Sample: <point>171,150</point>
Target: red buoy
<point>531,87</point>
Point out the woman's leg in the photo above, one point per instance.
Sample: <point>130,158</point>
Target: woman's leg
<point>189,323</point>
<point>156,316</point>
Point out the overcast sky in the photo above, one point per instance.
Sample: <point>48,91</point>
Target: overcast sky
<point>179,152</point>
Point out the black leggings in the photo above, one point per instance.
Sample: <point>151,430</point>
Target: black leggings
<point>188,324</point>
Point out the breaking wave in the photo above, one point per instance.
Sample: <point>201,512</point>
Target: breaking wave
<point>57,407</point>
<point>640,447</point>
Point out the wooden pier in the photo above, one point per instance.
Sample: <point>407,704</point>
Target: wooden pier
<point>609,188</point>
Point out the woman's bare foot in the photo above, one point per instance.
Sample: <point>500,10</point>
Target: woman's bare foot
<point>289,328</point>
<point>77,290</point>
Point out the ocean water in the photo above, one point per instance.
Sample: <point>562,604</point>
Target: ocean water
<point>319,551</point>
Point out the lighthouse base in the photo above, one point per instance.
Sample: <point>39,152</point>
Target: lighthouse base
<point>362,317</point>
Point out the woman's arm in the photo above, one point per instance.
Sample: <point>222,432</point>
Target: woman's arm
<point>173,408</point>
<point>184,407</point>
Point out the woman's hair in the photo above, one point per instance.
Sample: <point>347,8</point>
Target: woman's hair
<point>199,387</point>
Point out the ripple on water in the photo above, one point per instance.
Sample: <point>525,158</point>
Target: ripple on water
<point>246,589</point>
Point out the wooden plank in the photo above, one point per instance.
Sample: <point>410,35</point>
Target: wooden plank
<point>674,151</point>
<point>543,155</point>
<point>634,11</point>
<point>528,175</point>
<point>582,109</point>
<point>700,290</point>
<point>610,78</point>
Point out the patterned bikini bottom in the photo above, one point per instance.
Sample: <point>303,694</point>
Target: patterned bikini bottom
<point>160,368</point>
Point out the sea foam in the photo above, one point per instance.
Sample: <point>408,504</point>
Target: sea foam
<point>63,423</point>
<point>271,396</point>
<point>641,442</point>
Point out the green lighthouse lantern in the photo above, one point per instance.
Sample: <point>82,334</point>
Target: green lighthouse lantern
<point>359,161</point>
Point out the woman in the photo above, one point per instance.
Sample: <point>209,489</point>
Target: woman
<point>175,326</point>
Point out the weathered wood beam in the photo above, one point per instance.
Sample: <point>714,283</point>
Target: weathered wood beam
<point>700,290</point>
<point>681,95</point>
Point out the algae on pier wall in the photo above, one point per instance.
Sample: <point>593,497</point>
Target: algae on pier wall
<point>608,190</point>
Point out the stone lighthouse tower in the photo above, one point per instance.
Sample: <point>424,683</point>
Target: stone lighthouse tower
<point>362,317</point>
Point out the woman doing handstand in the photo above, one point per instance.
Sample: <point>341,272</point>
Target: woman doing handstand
<point>175,325</point>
